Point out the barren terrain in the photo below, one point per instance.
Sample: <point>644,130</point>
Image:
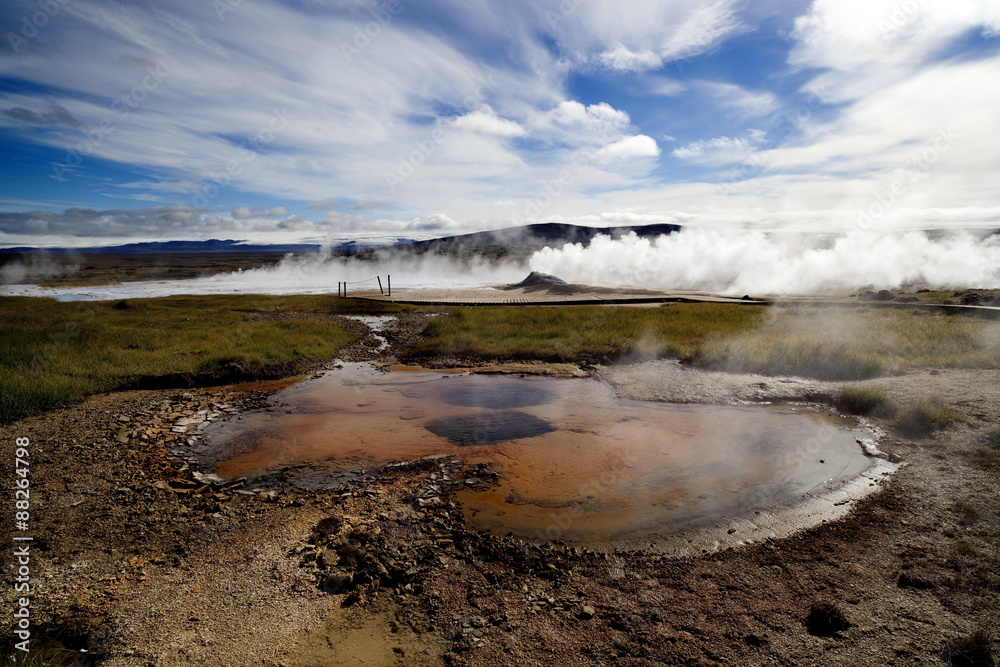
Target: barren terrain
<point>137,560</point>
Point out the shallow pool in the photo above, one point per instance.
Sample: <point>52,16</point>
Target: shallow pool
<point>576,462</point>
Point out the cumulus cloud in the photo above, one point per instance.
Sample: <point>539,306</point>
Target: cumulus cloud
<point>485,121</point>
<point>637,146</point>
<point>848,35</point>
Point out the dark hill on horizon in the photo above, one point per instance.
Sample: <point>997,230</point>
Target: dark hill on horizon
<point>548,233</point>
<point>534,236</point>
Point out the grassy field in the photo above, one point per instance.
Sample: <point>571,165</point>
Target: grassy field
<point>822,342</point>
<point>575,333</point>
<point>850,344</point>
<point>53,353</point>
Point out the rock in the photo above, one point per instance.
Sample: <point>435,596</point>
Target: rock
<point>881,295</point>
<point>972,299</point>
<point>509,644</point>
<point>587,612</point>
<point>336,583</point>
<point>825,619</point>
<point>207,478</point>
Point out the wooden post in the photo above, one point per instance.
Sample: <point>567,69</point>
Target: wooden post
<point>388,279</point>
<point>338,288</point>
<point>380,285</point>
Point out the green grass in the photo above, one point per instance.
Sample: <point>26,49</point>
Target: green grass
<point>583,333</point>
<point>53,353</point>
<point>822,342</point>
<point>864,401</point>
<point>853,344</point>
<point>919,419</point>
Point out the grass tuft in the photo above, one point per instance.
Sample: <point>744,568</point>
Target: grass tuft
<point>864,401</point>
<point>921,418</point>
<point>973,650</point>
<point>969,512</point>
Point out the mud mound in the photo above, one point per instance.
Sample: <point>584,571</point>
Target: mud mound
<point>537,279</point>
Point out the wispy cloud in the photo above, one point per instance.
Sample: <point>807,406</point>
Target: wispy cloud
<point>482,104</point>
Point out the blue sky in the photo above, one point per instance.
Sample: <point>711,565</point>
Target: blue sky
<point>312,120</point>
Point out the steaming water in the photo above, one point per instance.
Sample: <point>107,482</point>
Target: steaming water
<point>315,273</point>
<point>572,456</point>
<point>732,262</point>
<point>777,264</point>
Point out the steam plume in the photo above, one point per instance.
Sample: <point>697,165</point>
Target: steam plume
<point>780,264</point>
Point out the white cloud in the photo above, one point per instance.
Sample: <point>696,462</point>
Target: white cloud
<point>638,36</point>
<point>748,102</point>
<point>349,121</point>
<point>703,30</point>
<point>637,146</point>
<point>621,59</point>
<point>847,35</point>
<point>485,121</point>
<point>721,150</point>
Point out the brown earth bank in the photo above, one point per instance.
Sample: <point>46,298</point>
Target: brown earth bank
<point>139,560</point>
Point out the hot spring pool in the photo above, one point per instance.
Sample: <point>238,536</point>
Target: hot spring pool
<point>575,461</point>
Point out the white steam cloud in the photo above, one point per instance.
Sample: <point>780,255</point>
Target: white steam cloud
<point>317,273</point>
<point>313,273</point>
<point>738,262</point>
<point>38,266</point>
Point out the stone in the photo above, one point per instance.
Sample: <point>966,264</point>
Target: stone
<point>587,612</point>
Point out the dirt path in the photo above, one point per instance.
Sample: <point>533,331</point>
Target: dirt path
<point>140,562</point>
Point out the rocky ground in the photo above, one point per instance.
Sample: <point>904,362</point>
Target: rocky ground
<point>140,560</point>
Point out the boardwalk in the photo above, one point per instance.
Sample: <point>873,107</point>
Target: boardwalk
<point>534,296</point>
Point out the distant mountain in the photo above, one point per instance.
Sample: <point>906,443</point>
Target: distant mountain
<point>173,247</point>
<point>550,233</point>
<point>512,237</point>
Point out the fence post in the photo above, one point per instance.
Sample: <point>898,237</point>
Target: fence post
<point>380,285</point>
<point>388,279</point>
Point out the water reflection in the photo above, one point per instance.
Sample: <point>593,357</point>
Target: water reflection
<point>573,457</point>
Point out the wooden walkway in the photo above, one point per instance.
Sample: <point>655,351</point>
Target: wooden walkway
<point>490,296</point>
<point>582,295</point>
